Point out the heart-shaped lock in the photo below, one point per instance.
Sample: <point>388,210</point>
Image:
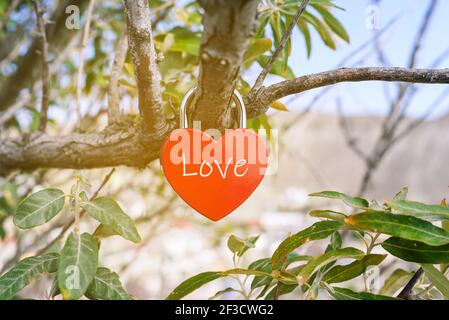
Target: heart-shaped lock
<point>214,176</point>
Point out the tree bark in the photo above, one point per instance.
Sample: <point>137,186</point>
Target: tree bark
<point>228,25</point>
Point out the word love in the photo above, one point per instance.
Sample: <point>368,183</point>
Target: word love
<point>214,176</point>
<point>206,169</point>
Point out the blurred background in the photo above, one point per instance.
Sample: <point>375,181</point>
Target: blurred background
<point>366,139</point>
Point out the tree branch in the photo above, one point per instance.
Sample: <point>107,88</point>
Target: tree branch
<point>82,49</point>
<point>4,20</point>
<point>277,52</point>
<point>267,95</point>
<point>113,92</point>
<point>407,292</point>
<point>228,25</point>
<point>25,74</point>
<point>144,59</point>
<point>135,148</point>
<point>44,63</point>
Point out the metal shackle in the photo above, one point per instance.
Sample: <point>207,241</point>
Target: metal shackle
<point>236,97</point>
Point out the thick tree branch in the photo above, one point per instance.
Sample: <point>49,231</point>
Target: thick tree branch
<point>228,25</point>
<point>144,58</point>
<point>77,150</point>
<point>136,149</point>
<point>267,95</point>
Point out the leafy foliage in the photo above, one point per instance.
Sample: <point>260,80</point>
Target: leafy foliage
<point>76,265</point>
<point>414,239</point>
<point>20,276</point>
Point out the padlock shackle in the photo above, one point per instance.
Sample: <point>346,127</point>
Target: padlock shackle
<point>236,97</point>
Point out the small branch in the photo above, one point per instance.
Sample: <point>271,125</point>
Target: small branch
<point>421,33</point>
<point>274,92</point>
<point>113,89</point>
<point>7,14</point>
<point>263,74</point>
<point>24,99</point>
<point>351,141</point>
<point>141,46</point>
<point>44,63</point>
<point>24,75</point>
<point>72,221</point>
<point>79,77</point>
<point>406,293</point>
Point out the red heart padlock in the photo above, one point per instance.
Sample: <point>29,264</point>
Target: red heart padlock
<point>214,176</point>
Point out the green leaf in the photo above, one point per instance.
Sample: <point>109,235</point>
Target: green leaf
<point>402,194</point>
<point>350,271</point>
<point>355,202</point>
<point>402,226</point>
<point>240,246</point>
<point>304,28</point>
<point>317,231</point>
<point>77,265</point>
<point>103,232</point>
<point>23,272</point>
<point>10,194</point>
<point>336,240</point>
<point>438,279</point>
<point>414,251</point>
<point>183,40</point>
<point>256,48</point>
<point>264,265</point>
<point>244,272</point>
<point>328,214</point>
<point>330,256</point>
<point>109,213</point>
<point>193,283</point>
<point>222,292</point>
<point>420,210</point>
<point>332,22</point>
<point>278,68</point>
<point>322,29</point>
<point>346,294</point>
<point>106,285</point>
<point>277,105</point>
<point>397,280</point>
<point>285,289</point>
<point>39,208</point>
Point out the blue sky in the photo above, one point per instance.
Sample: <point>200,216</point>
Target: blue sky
<point>368,98</point>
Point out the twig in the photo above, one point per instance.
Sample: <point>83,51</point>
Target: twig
<point>72,221</point>
<point>422,32</point>
<point>45,66</point>
<point>350,139</point>
<point>284,88</point>
<point>113,92</point>
<point>7,14</point>
<point>19,104</point>
<point>406,293</point>
<point>343,62</point>
<point>79,77</point>
<point>285,37</point>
